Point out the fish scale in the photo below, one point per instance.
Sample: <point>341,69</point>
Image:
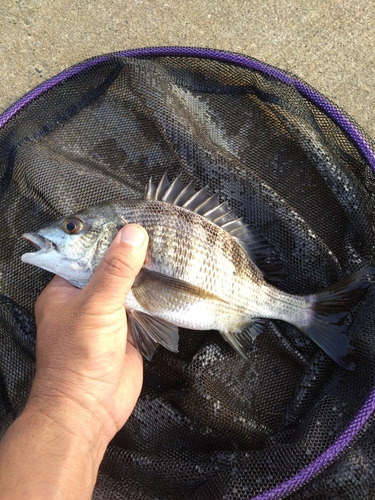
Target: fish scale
<point>207,264</point>
<point>205,269</point>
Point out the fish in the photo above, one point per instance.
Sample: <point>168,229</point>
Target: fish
<point>205,269</point>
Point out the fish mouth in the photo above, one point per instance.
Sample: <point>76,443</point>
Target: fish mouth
<point>41,244</point>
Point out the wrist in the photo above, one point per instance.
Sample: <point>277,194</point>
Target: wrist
<point>39,440</point>
<point>73,404</point>
<point>73,422</point>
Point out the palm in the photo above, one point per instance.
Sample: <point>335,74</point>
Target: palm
<point>87,348</point>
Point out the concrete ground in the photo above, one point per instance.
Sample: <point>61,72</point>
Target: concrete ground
<point>328,43</point>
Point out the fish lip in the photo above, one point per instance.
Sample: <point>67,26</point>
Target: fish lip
<point>41,243</point>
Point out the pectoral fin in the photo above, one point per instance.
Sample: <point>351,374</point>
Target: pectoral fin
<point>157,291</point>
<point>148,331</point>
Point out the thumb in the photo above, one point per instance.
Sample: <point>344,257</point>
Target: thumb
<point>116,273</point>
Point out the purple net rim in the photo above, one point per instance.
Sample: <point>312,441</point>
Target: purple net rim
<point>326,458</point>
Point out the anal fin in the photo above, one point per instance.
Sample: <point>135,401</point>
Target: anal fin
<point>243,340</point>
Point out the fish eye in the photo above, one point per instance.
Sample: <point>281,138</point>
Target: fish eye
<point>72,225</point>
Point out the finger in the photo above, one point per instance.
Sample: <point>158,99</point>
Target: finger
<point>116,273</point>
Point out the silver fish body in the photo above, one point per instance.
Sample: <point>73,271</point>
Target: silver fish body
<point>204,270</point>
<point>229,289</point>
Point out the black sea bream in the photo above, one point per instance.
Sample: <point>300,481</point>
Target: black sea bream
<point>204,270</point>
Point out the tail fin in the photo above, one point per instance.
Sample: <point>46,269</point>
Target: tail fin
<point>328,327</point>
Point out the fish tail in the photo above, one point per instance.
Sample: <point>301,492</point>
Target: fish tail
<point>327,325</point>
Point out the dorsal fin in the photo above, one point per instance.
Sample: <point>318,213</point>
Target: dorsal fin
<point>200,202</point>
<point>261,252</point>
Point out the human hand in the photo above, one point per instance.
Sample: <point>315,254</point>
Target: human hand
<point>86,366</point>
<point>88,379</point>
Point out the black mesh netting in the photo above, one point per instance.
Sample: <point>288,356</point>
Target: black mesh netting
<point>208,424</point>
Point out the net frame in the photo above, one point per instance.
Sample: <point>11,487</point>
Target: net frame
<point>291,484</point>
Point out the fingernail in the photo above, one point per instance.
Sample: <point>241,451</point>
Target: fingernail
<point>133,235</point>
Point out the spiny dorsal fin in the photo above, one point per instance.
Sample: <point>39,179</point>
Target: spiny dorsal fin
<point>261,252</point>
<point>200,202</point>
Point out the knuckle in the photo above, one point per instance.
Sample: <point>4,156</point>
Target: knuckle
<point>120,265</point>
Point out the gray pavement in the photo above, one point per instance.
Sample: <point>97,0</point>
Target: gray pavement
<point>330,44</point>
